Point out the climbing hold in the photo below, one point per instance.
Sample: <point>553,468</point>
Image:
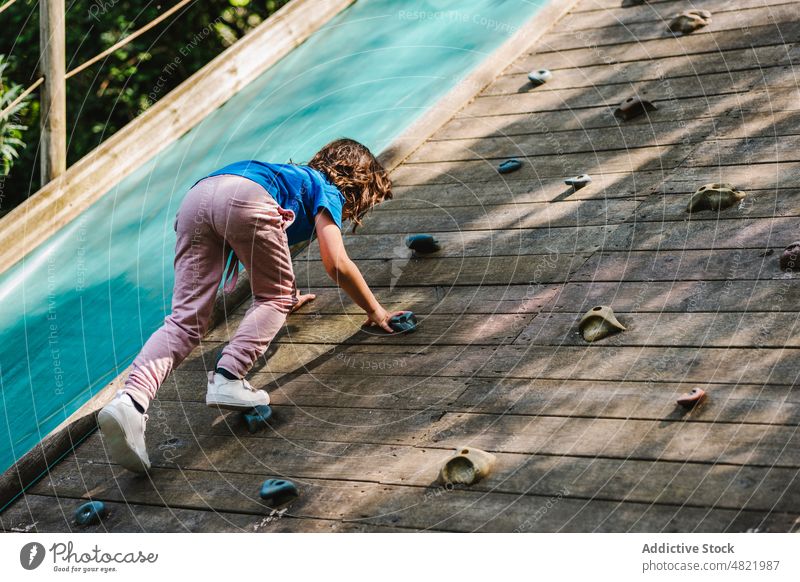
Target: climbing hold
<point>404,322</point>
<point>466,466</point>
<point>633,107</point>
<point>90,513</point>
<point>578,182</point>
<point>790,259</point>
<point>278,491</point>
<point>256,418</point>
<point>509,166</point>
<point>598,323</point>
<point>422,243</point>
<point>539,77</point>
<point>689,21</point>
<point>714,197</point>
<point>690,399</point>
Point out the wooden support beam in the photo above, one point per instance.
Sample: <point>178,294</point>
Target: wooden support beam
<point>54,94</point>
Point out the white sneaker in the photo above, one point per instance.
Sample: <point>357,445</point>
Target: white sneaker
<point>233,394</point>
<point>123,431</point>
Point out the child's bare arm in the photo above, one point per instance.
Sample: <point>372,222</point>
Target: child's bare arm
<point>345,272</point>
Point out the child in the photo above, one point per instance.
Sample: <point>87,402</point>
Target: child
<point>255,210</point>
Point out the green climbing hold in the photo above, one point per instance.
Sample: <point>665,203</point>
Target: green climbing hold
<point>790,258</point>
<point>423,244</point>
<point>690,20</point>
<point>256,418</point>
<point>509,166</point>
<point>466,466</point>
<point>405,322</point>
<point>90,513</point>
<point>633,107</point>
<point>714,197</point>
<point>278,491</point>
<point>599,322</point>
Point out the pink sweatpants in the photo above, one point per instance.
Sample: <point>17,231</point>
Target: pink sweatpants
<point>220,213</point>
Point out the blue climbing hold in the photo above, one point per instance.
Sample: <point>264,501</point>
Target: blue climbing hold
<point>256,418</point>
<point>422,243</point>
<point>404,322</point>
<point>539,77</point>
<point>90,513</point>
<point>509,166</point>
<point>278,491</point>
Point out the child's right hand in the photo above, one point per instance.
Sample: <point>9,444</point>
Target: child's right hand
<point>381,317</point>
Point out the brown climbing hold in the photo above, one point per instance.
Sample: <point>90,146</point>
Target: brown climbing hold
<point>715,197</point>
<point>466,466</point>
<point>599,322</point>
<point>790,259</point>
<point>689,21</point>
<point>633,107</point>
<point>691,399</point>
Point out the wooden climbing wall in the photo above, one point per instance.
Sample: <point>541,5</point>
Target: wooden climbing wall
<point>588,437</point>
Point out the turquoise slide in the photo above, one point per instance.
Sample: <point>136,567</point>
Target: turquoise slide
<point>75,312</point>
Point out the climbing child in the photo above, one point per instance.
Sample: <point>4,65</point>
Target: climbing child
<point>256,211</point>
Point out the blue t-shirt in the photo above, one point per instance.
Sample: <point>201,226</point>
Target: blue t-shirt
<point>301,189</point>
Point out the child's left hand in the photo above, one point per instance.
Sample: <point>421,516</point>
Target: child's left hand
<point>302,300</point>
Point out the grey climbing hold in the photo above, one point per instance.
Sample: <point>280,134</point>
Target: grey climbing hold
<point>422,243</point>
<point>467,466</point>
<point>539,77</point>
<point>509,166</point>
<point>690,20</point>
<point>599,322</point>
<point>578,182</point>
<point>405,322</point>
<point>692,398</point>
<point>278,491</point>
<point>256,418</point>
<point>633,107</point>
<point>90,513</point>
<point>714,197</point>
<point>790,258</point>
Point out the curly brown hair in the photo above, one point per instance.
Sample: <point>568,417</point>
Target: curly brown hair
<point>358,175</point>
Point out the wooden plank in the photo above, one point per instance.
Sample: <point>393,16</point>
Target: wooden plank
<point>413,507</point>
<point>483,299</point>
<point>734,403</point>
<point>45,514</point>
<point>604,361</point>
<point>687,265</point>
<point>587,141</point>
<point>736,487</point>
<point>680,296</point>
<point>449,271</point>
<point>764,204</point>
<point>686,110</point>
<point>736,152</point>
<point>453,329</point>
<point>475,243</point>
<point>763,330</point>
<point>758,60</point>
<point>711,233</point>
<point>610,95</point>
<point>777,176</point>
<point>581,53</point>
<point>589,15</point>
<point>497,217</point>
<point>779,18</point>
<point>603,186</point>
<point>765,445</point>
<point>556,165</point>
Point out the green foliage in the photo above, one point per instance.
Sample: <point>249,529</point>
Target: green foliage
<point>10,130</point>
<point>108,95</point>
